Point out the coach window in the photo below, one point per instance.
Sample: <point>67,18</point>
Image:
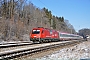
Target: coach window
<point>61,35</point>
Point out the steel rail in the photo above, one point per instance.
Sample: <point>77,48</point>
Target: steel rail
<point>6,45</point>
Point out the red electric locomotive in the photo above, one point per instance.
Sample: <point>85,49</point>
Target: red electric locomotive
<point>41,34</point>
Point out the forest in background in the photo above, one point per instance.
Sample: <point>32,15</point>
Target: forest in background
<point>84,31</point>
<point>17,18</point>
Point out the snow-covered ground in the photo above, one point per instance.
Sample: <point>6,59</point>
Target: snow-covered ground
<point>77,52</point>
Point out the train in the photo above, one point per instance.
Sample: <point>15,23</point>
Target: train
<point>41,34</point>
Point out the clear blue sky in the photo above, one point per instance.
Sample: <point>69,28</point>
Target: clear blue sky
<point>76,11</point>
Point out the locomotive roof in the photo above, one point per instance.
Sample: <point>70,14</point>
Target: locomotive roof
<point>42,28</point>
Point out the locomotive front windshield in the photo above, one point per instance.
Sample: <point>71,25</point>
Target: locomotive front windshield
<point>35,31</point>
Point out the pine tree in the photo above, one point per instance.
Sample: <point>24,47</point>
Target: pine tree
<point>62,19</point>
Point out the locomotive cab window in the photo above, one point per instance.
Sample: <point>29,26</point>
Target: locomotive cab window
<point>35,31</point>
<point>42,31</point>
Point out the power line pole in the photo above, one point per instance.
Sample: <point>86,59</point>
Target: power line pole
<point>51,24</point>
<point>41,19</point>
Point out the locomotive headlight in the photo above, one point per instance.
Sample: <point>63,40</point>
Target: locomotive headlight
<point>34,36</point>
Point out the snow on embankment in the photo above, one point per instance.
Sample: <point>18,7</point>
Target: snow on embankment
<point>4,39</point>
<point>79,51</point>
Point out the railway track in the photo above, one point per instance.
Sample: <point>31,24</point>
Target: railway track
<point>14,53</point>
<point>14,44</point>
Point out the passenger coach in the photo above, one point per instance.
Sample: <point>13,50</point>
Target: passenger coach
<point>67,36</point>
